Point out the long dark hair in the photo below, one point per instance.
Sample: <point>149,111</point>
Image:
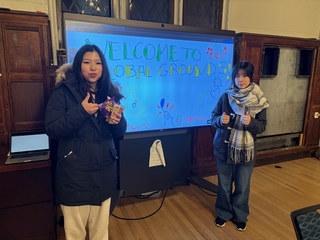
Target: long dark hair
<point>245,66</point>
<point>104,85</point>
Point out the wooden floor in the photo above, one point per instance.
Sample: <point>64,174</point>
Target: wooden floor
<point>188,211</point>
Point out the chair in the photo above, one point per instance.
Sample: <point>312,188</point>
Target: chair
<point>306,222</point>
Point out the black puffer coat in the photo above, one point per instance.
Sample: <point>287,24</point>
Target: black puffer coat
<point>86,172</point>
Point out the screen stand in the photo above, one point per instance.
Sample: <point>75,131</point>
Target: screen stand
<point>202,183</point>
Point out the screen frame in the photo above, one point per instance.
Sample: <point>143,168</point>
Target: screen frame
<point>149,25</point>
<point>141,24</point>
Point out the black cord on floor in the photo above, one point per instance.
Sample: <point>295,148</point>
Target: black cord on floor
<point>201,188</point>
<point>122,218</point>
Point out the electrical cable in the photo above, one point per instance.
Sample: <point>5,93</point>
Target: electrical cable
<point>122,218</point>
<point>213,195</point>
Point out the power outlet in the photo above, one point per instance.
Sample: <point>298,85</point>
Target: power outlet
<point>316,115</point>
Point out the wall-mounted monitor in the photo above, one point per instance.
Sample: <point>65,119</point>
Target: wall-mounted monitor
<point>171,75</point>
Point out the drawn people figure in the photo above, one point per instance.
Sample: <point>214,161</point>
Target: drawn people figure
<point>86,168</point>
<point>239,116</point>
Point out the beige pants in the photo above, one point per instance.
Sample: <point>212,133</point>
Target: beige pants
<point>79,218</point>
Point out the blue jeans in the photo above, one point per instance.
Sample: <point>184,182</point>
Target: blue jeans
<point>233,204</point>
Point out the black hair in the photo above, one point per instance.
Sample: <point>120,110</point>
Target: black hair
<point>245,66</point>
<point>104,85</point>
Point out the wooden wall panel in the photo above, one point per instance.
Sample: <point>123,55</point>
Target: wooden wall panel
<point>34,221</point>
<point>28,105</point>
<point>24,59</point>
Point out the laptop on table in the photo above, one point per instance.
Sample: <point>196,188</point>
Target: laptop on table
<point>28,147</point>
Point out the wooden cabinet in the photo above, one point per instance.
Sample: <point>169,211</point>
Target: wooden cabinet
<point>203,161</point>
<point>27,210</point>
<point>26,205</point>
<point>24,58</point>
<point>26,191</point>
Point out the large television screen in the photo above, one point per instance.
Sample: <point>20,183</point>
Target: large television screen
<point>171,75</point>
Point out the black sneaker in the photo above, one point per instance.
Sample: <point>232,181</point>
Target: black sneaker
<point>220,222</point>
<point>240,226</point>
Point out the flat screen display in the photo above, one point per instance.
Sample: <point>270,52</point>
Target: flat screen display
<point>171,76</point>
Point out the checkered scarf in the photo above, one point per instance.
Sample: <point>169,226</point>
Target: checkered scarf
<point>249,100</point>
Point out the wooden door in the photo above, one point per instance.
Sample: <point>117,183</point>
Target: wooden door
<point>2,114</point>
<point>25,48</point>
<point>4,107</point>
<point>312,126</point>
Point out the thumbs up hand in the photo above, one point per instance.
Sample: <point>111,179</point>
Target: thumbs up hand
<point>246,119</point>
<point>225,119</point>
<point>90,108</point>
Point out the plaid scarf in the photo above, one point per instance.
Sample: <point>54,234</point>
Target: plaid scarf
<point>242,101</point>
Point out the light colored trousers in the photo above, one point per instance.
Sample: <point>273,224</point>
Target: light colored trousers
<point>78,219</point>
